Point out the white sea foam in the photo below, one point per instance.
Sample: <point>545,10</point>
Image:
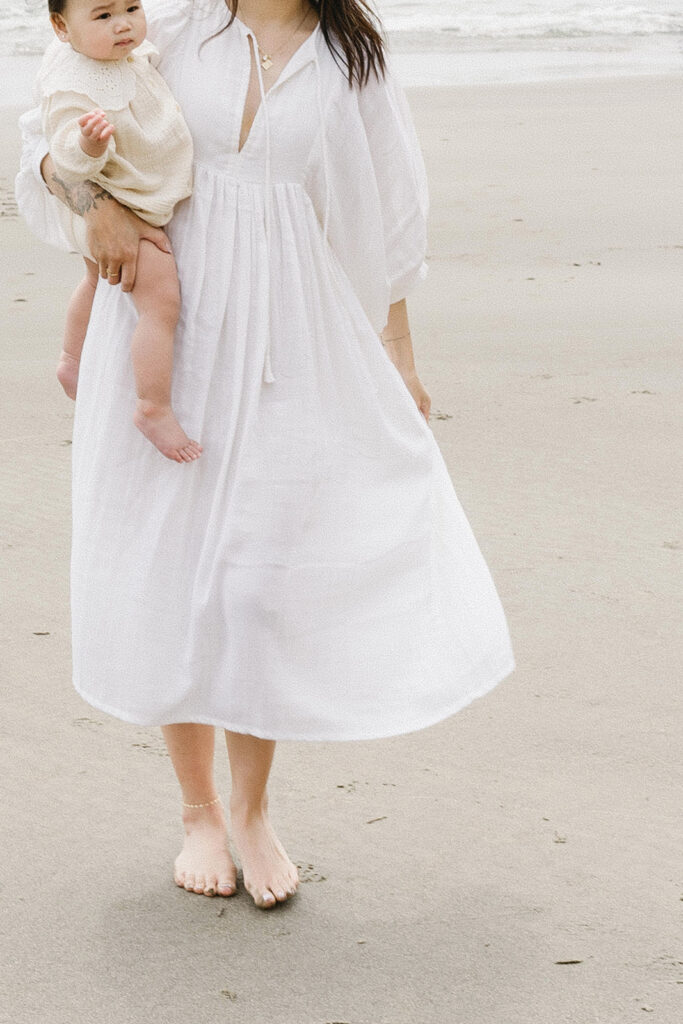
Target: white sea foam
<point>24,28</point>
<point>452,42</point>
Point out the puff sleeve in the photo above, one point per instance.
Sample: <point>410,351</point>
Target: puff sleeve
<point>401,181</point>
<point>165,21</point>
<point>61,124</point>
<point>366,179</point>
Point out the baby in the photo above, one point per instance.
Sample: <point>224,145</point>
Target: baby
<point>110,118</point>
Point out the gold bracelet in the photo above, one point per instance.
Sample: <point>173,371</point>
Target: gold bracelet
<point>385,341</point>
<point>209,804</point>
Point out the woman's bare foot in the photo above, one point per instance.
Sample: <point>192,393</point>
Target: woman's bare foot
<point>159,425</point>
<point>204,865</point>
<point>269,875</point>
<point>67,373</point>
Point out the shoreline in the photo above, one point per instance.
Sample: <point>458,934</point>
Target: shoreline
<point>443,60</point>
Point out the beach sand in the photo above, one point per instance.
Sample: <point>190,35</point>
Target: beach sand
<point>518,863</point>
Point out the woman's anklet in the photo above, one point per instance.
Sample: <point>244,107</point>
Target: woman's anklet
<point>210,803</point>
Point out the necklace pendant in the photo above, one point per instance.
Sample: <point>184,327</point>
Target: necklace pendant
<point>266,62</point>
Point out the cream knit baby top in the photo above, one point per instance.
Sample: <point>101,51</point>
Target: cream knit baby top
<point>148,163</point>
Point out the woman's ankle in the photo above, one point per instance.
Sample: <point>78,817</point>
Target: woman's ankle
<point>243,810</point>
<point>203,815</point>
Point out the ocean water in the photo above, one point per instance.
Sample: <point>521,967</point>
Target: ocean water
<point>24,29</point>
<point>452,42</point>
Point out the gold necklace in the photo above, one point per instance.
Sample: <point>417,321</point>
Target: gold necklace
<point>267,58</point>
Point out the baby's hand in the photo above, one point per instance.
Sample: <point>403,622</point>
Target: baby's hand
<point>96,132</point>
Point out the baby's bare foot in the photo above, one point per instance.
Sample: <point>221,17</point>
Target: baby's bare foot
<point>204,864</point>
<point>159,425</point>
<point>67,373</point>
<point>269,875</point>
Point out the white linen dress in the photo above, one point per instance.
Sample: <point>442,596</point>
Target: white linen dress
<point>312,576</point>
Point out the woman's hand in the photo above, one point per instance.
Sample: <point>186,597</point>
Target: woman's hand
<point>113,235</point>
<point>113,231</point>
<point>399,347</point>
<point>419,393</point>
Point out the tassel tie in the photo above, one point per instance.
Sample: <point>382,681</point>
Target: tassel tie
<point>267,375</point>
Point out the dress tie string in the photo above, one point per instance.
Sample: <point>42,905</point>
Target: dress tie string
<point>323,137</point>
<point>267,375</point>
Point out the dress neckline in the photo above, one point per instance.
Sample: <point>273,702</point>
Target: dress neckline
<point>295,62</point>
<point>287,69</point>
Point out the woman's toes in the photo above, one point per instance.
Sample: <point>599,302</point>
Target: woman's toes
<point>226,888</point>
<point>199,884</point>
<point>179,879</point>
<point>189,882</point>
<point>210,886</point>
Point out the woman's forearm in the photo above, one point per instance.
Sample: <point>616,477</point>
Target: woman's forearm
<point>81,197</point>
<point>399,347</point>
<point>397,340</point>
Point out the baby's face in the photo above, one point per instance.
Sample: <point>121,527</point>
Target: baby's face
<point>102,29</point>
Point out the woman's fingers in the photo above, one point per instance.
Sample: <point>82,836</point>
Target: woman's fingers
<point>110,270</point>
<point>420,395</point>
<point>114,234</point>
<point>128,271</point>
<point>158,237</point>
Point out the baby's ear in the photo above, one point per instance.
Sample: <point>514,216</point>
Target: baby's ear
<point>60,27</point>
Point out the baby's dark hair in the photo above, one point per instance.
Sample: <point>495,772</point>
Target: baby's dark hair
<point>56,6</point>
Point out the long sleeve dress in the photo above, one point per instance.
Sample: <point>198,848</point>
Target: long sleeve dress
<point>313,576</point>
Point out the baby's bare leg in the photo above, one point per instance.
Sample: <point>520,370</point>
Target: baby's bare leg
<point>77,319</point>
<point>157,299</point>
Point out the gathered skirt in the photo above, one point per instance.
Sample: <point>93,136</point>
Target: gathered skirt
<point>312,575</point>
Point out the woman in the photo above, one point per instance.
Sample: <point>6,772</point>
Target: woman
<point>313,575</point>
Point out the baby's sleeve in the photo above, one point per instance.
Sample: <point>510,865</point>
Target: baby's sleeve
<point>401,181</point>
<point>62,112</point>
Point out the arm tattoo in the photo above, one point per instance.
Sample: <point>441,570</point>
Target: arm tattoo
<point>81,197</point>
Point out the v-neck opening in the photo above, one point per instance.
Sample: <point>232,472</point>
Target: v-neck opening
<point>286,72</point>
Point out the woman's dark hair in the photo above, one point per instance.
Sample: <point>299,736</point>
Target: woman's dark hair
<point>56,6</point>
<point>351,30</point>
